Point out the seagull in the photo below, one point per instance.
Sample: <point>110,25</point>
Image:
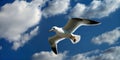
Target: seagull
<point>67,31</point>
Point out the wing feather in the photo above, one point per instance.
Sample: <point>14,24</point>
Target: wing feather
<point>53,42</point>
<point>74,23</point>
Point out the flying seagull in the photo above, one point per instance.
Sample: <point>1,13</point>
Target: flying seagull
<point>67,31</point>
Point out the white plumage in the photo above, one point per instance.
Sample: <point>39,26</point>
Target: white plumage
<point>67,31</point>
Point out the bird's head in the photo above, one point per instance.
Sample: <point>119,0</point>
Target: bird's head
<point>53,28</point>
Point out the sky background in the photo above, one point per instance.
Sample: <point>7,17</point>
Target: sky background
<point>25,25</point>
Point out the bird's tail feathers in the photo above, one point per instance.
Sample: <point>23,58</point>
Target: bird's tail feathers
<point>75,38</point>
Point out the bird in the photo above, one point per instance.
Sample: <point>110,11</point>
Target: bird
<point>67,31</point>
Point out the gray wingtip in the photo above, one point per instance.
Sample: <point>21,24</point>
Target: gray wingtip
<point>54,50</point>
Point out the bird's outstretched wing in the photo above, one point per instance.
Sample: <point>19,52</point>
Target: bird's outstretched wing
<point>74,23</point>
<point>53,42</point>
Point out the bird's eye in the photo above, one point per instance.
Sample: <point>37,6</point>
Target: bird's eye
<point>53,28</point>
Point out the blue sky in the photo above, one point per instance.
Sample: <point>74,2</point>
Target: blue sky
<point>24,26</point>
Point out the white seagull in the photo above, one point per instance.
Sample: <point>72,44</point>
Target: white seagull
<point>67,31</point>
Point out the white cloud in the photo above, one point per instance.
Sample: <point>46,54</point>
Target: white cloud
<point>109,54</point>
<point>56,7</point>
<point>48,56</point>
<point>78,10</point>
<point>25,38</point>
<point>96,9</point>
<point>112,53</point>
<point>108,37</point>
<point>16,18</point>
<point>39,3</point>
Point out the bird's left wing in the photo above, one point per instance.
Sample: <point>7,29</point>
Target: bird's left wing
<point>74,23</point>
<point>53,42</point>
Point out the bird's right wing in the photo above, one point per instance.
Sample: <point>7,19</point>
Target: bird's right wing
<point>53,42</point>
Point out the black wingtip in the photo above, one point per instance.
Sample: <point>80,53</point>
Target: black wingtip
<point>54,50</point>
<point>94,22</point>
<point>87,21</point>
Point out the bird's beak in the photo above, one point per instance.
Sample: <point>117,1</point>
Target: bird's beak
<point>50,30</point>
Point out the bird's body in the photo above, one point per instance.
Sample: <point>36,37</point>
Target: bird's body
<point>67,31</point>
<point>60,32</point>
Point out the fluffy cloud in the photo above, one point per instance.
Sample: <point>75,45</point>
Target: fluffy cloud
<point>48,56</point>
<point>105,7</point>
<point>109,37</point>
<point>109,54</point>
<point>56,7</point>
<point>25,38</point>
<point>16,19</point>
<point>112,53</point>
